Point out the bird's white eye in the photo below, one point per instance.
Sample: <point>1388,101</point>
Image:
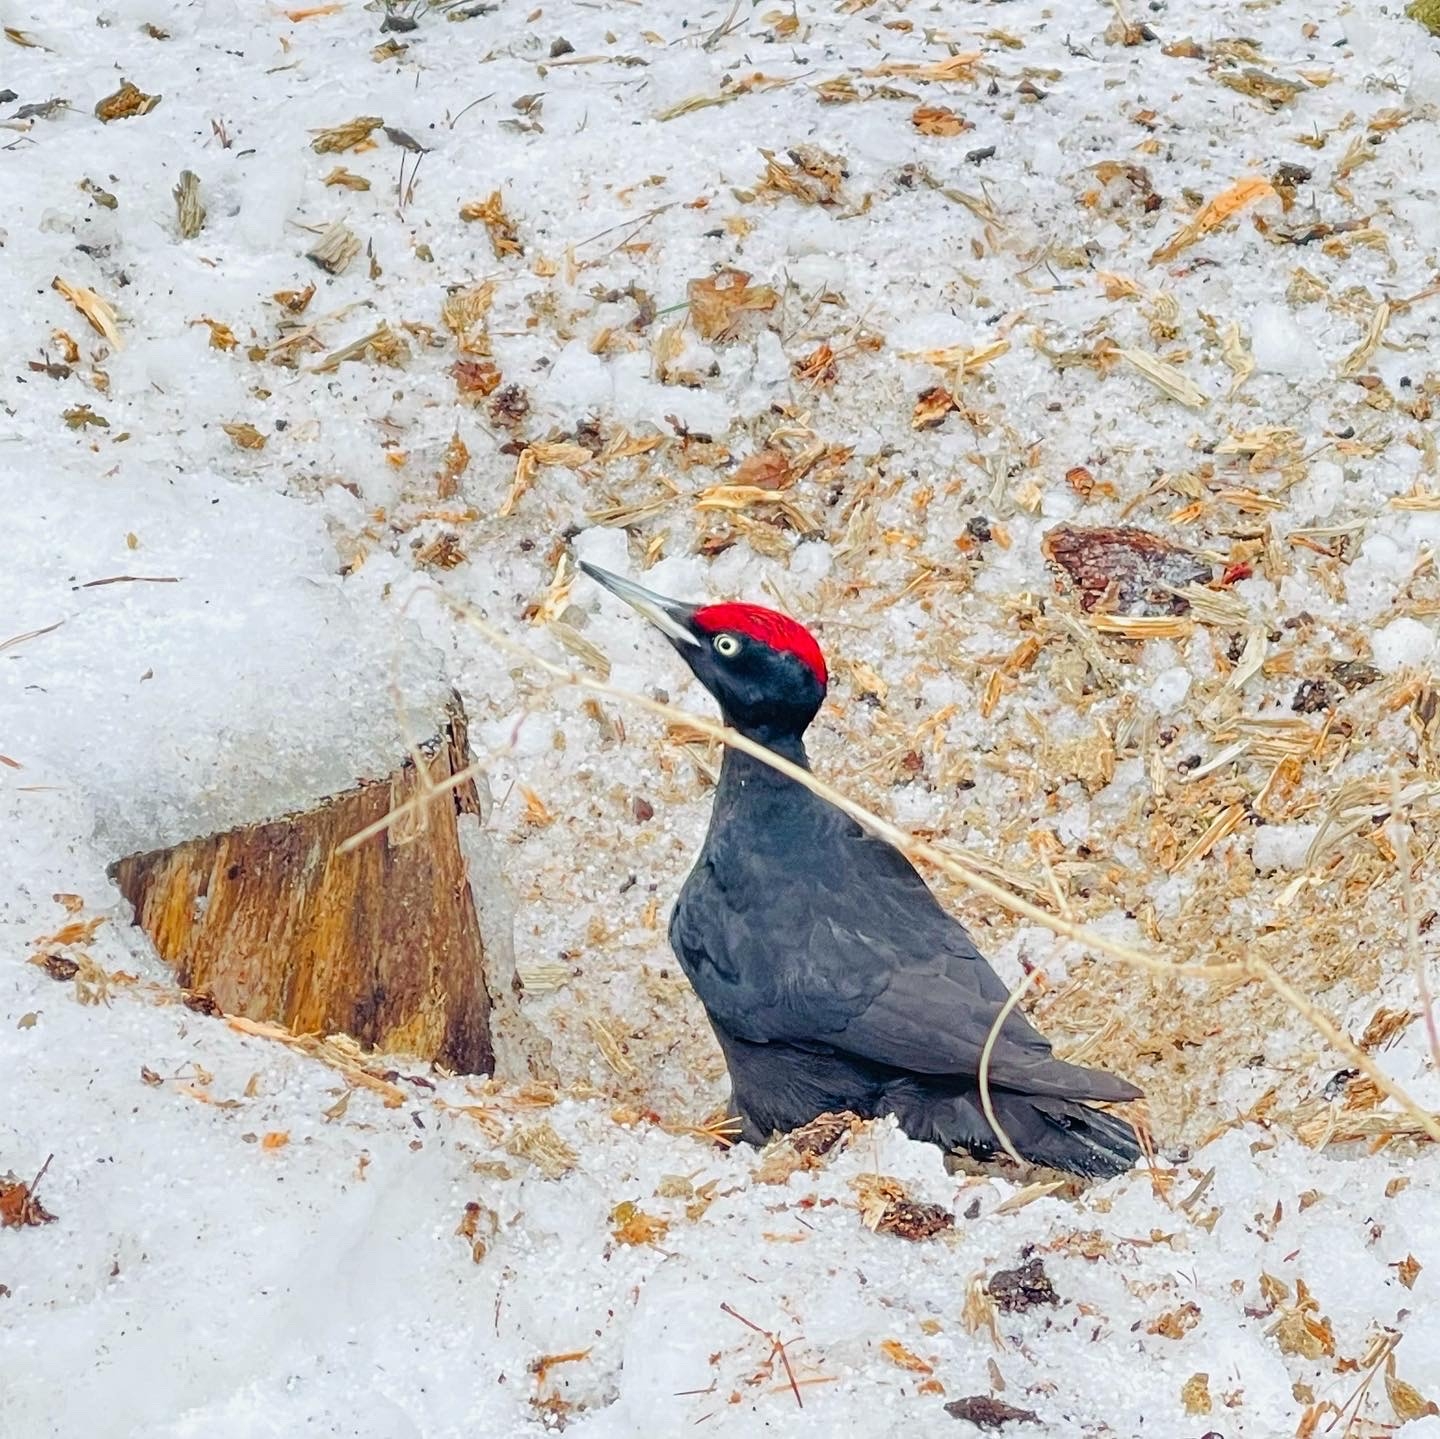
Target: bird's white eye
<point>727,645</point>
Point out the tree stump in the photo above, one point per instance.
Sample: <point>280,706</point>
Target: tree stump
<point>382,943</point>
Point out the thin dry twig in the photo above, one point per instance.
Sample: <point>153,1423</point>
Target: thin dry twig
<point>28,635</point>
<point>1347,1046</point>
<point>1412,922</point>
<point>987,1050</point>
<point>777,1347</point>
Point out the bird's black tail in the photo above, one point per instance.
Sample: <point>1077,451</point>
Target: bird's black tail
<point>1057,1133</point>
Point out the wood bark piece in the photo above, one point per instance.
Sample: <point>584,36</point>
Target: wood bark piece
<point>1125,571</point>
<point>382,943</point>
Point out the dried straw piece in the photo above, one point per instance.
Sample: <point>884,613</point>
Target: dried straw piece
<point>1224,823</point>
<point>1213,214</point>
<point>463,314</point>
<point>1142,627</point>
<point>960,359</point>
<point>608,1045</point>
<point>1166,378</point>
<point>339,1052</point>
<point>756,82</point>
<point>958,67</point>
<point>540,1144</point>
<point>383,345</point>
<point>189,212</point>
<point>590,655</point>
<point>1325,1125</point>
<point>1359,357</point>
<point>1221,608</point>
<point>99,312</point>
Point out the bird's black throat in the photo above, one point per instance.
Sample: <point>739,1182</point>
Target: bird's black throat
<point>739,770</point>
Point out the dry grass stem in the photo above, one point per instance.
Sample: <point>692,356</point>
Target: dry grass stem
<point>987,1050</point>
<point>1412,922</point>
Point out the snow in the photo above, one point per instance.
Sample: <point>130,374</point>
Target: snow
<point>1169,688</point>
<point>1281,347</point>
<point>214,634</point>
<point>1403,642</point>
<point>1282,846</point>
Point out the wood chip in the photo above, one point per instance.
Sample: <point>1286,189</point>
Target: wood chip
<point>1195,1394</point>
<point>1274,90</point>
<point>633,1226</point>
<point>717,308</point>
<point>910,1219</point>
<point>939,120</point>
<point>245,436</point>
<point>813,178</point>
<point>824,1133</point>
<point>349,136</point>
<point>126,103</point>
<point>1016,1290</point>
<point>905,1358</point>
<point>99,312</point>
<point>931,408</point>
<point>335,249</point>
<point>19,1207</point>
<point>490,212</point>
<point>346,179</point>
<point>189,212</point>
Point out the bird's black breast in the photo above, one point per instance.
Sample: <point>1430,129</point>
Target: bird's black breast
<point>798,928</point>
<point>760,924</point>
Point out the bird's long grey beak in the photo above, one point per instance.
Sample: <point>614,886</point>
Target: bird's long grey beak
<point>670,617</point>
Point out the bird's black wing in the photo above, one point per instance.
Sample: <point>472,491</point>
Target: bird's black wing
<point>857,956</point>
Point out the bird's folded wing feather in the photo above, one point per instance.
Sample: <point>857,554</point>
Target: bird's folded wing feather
<point>860,958</point>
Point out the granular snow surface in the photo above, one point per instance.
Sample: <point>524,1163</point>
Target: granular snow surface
<point>225,521</point>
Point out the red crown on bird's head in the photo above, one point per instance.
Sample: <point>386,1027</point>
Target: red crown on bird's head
<point>769,627</point>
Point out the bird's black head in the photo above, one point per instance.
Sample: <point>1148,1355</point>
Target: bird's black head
<point>765,669</point>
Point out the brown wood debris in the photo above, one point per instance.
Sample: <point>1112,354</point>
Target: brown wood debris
<point>1125,571</point>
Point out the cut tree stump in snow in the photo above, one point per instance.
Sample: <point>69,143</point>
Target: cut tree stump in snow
<point>382,943</point>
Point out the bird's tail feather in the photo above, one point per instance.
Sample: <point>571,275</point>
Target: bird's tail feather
<point>1057,1133</point>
